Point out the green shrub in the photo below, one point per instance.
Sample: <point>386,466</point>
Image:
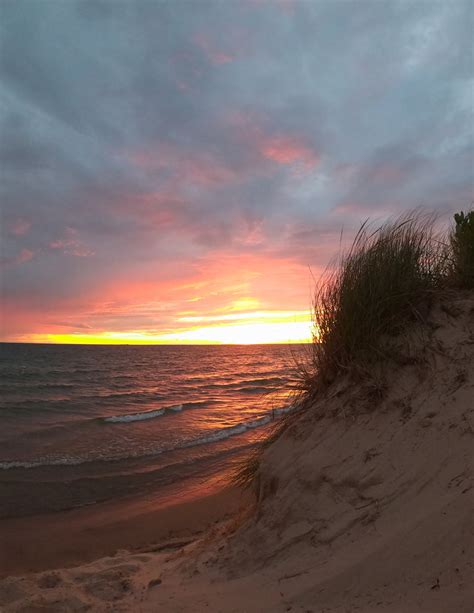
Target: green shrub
<point>462,245</point>
<point>377,288</point>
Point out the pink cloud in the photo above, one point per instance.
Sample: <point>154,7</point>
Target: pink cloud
<point>71,245</point>
<point>282,149</point>
<point>25,255</point>
<point>19,227</point>
<point>358,209</point>
<point>288,150</point>
<point>157,209</point>
<point>194,168</point>
<point>224,281</point>
<point>214,55</point>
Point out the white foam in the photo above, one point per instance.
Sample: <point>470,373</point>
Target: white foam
<point>176,408</point>
<point>45,462</point>
<point>283,410</point>
<point>224,433</point>
<point>212,437</point>
<point>257,423</point>
<point>118,419</point>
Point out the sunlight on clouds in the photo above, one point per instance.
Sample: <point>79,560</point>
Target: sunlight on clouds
<point>272,315</point>
<point>280,327</point>
<point>247,334</point>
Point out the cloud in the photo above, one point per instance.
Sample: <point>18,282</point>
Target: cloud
<point>167,155</point>
<point>176,166</point>
<point>19,226</point>
<point>70,244</point>
<point>25,255</point>
<point>285,150</point>
<point>214,55</point>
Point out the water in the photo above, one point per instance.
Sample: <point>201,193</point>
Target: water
<point>81,424</point>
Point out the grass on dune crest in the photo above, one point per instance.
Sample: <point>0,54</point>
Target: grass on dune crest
<point>385,282</point>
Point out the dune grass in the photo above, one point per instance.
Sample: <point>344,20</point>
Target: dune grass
<point>385,281</point>
<point>462,248</point>
<point>373,292</point>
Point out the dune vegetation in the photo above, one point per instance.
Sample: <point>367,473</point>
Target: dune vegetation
<point>462,249</point>
<point>386,281</point>
<point>362,495</point>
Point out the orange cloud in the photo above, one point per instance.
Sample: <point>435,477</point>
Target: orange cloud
<point>222,298</point>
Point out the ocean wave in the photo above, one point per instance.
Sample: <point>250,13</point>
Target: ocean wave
<point>150,414</point>
<point>223,433</point>
<point>143,395</point>
<point>251,389</point>
<point>79,401</point>
<point>245,384</point>
<point>213,437</point>
<point>141,416</point>
<point>40,463</point>
<point>40,385</point>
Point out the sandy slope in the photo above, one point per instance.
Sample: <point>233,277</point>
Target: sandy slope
<point>365,504</point>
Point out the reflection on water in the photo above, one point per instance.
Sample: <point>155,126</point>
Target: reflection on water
<point>77,412</point>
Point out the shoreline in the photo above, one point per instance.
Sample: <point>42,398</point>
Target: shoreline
<point>70,538</point>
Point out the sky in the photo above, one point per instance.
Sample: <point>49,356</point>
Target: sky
<point>181,172</point>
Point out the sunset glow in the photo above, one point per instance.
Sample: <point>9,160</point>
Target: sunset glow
<point>244,334</point>
<point>166,179</point>
<point>242,329</point>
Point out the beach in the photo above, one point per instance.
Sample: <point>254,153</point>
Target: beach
<point>70,538</point>
<point>364,503</point>
<point>236,306</point>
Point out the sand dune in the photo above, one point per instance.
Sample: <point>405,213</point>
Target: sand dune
<point>364,504</point>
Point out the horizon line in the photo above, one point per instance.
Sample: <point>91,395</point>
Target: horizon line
<point>113,344</point>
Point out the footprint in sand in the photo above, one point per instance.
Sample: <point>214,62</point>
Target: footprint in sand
<point>108,585</point>
<point>10,592</point>
<point>49,581</point>
<point>115,561</point>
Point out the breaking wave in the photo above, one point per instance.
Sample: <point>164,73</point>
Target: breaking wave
<point>212,437</point>
<point>141,416</point>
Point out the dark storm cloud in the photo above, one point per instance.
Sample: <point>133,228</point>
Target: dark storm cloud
<point>140,137</point>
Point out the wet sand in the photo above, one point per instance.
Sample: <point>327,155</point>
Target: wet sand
<point>68,538</point>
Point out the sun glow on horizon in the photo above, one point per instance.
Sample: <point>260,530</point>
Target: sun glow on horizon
<point>261,327</point>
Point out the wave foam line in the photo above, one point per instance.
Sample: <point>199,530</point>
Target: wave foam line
<point>141,416</point>
<point>216,435</point>
<point>224,433</point>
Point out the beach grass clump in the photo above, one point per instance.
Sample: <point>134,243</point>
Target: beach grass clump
<point>383,283</point>
<point>462,247</point>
